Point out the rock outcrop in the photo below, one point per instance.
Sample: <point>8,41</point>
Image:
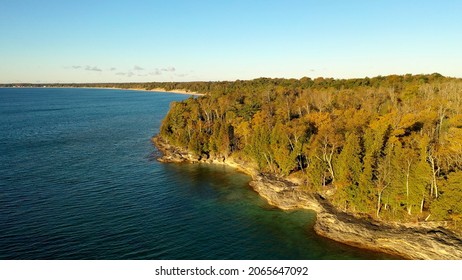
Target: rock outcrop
<point>411,241</point>
<point>171,153</point>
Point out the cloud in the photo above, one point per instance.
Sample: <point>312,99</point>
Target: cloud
<point>139,71</point>
<point>156,72</point>
<point>93,68</point>
<point>128,74</point>
<point>168,69</point>
<point>76,66</point>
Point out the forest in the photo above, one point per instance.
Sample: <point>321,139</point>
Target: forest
<point>386,147</point>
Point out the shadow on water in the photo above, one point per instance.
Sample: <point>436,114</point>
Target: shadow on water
<point>258,230</point>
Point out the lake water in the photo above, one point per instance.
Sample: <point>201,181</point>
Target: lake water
<point>78,181</point>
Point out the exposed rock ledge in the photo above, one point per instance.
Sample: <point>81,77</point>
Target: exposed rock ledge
<point>411,241</point>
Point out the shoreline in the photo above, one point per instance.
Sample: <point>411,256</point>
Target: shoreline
<point>426,240</point>
<point>175,91</point>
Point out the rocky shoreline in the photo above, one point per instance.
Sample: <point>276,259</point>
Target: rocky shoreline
<point>411,241</point>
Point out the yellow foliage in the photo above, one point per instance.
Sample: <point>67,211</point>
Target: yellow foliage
<point>456,121</point>
<point>454,140</point>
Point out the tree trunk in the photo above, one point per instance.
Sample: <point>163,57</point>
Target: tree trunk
<point>422,204</point>
<point>407,185</point>
<point>442,115</point>
<point>328,159</point>
<point>434,186</point>
<point>379,200</point>
<point>379,204</point>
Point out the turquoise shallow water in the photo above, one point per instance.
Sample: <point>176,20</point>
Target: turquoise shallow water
<point>78,181</point>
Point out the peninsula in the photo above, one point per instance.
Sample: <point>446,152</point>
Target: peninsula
<point>379,159</point>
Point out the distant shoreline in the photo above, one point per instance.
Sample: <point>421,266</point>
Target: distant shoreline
<point>175,91</point>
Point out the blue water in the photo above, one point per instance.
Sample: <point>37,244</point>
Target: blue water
<point>78,181</point>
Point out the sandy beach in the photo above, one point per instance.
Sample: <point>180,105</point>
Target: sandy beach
<point>176,91</point>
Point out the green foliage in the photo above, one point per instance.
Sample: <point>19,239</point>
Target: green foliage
<point>349,164</point>
<point>349,168</point>
<point>449,205</point>
<point>316,173</point>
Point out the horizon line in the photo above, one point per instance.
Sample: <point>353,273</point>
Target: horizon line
<point>214,81</point>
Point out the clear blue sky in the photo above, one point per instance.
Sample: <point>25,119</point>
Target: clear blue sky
<point>105,41</point>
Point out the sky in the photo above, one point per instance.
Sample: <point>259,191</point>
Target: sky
<point>50,41</point>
